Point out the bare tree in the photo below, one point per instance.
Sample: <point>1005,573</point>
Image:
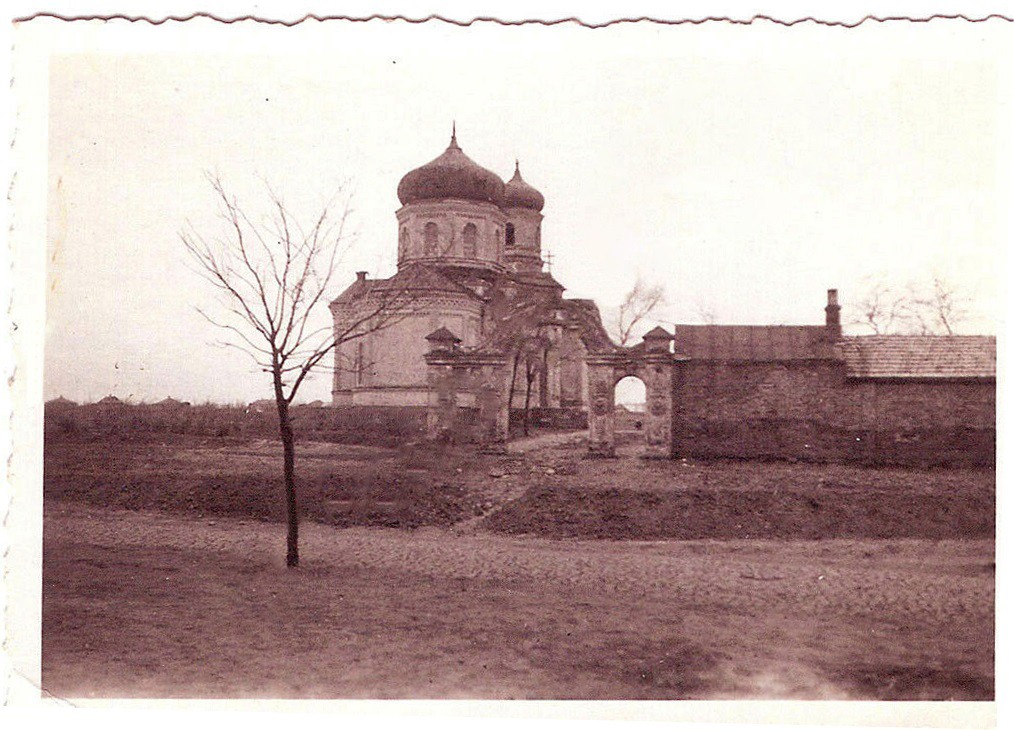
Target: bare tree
<point>939,307</point>
<point>271,277</point>
<point>533,351</point>
<point>882,308</point>
<point>934,308</point>
<point>706,311</point>
<point>521,332</point>
<point>640,303</point>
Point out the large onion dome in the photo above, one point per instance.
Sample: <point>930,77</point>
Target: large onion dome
<point>452,175</point>
<point>519,194</point>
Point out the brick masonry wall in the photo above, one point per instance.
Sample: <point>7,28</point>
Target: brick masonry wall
<point>811,411</point>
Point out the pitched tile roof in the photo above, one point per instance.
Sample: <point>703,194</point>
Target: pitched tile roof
<point>413,278</point>
<point>919,356</point>
<point>753,343</point>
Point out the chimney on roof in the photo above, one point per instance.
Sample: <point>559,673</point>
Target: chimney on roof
<point>360,276</point>
<point>832,316</point>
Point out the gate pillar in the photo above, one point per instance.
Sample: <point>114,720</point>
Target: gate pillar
<point>442,404</point>
<point>601,417</point>
<point>492,387</point>
<point>656,371</point>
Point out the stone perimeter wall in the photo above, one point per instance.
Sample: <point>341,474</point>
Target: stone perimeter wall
<point>384,426</point>
<point>809,410</point>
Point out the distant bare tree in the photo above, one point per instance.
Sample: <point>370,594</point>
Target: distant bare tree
<point>939,307</point>
<point>706,312</point>
<point>271,277</point>
<point>917,308</point>
<point>882,309</point>
<point>640,303</point>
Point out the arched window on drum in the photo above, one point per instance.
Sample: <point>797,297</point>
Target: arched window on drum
<point>430,235</point>
<point>469,240</point>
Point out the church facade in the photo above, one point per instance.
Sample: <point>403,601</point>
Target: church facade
<point>469,263</point>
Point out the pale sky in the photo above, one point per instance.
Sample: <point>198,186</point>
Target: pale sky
<point>748,169</point>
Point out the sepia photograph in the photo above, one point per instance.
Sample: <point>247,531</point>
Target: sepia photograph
<point>392,360</point>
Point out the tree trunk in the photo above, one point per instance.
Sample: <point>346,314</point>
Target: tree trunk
<point>544,380</point>
<point>514,379</point>
<point>289,449</point>
<point>528,397</point>
<point>510,391</point>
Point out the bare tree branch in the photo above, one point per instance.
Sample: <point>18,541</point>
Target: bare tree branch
<point>639,303</point>
<point>706,312</point>
<point>942,305</point>
<point>881,308</point>
<point>272,278</point>
<point>933,308</point>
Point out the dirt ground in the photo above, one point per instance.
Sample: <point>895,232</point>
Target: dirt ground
<point>155,596</point>
<point>543,486</point>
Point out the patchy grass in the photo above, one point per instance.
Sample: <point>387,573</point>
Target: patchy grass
<point>717,513</point>
<point>341,485</point>
<point>549,492</point>
<point>384,426</point>
<point>893,682</point>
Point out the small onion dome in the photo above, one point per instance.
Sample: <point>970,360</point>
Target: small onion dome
<point>519,194</point>
<point>452,175</point>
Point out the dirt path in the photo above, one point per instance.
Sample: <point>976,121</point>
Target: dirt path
<point>750,618</point>
<point>535,455</point>
<point>543,441</point>
<point>843,577</point>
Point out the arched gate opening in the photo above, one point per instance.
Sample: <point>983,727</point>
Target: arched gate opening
<point>630,404</point>
<point>654,365</point>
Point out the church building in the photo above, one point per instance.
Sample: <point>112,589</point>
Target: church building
<point>470,265</point>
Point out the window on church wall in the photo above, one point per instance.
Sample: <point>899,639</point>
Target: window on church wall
<point>538,235</point>
<point>360,364</point>
<point>430,235</point>
<point>469,240</point>
<point>510,234</point>
<point>403,243</point>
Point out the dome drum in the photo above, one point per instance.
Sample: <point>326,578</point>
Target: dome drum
<point>451,232</point>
